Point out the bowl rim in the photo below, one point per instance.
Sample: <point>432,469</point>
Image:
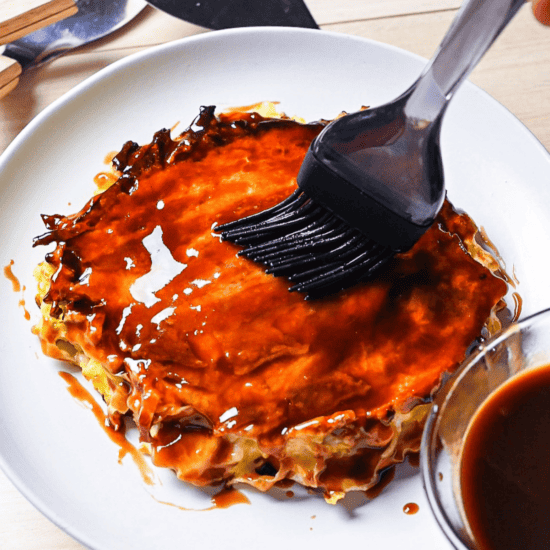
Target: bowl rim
<point>427,469</point>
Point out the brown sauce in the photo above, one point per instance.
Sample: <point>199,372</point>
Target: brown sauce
<point>505,468</point>
<point>518,306</point>
<point>16,285</point>
<point>414,459</point>
<point>117,436</point>
<point>219,336</point>
<point>26,313</point>
<point>541,9</point>
<point>8,273</point>
<point>229,497</point>
<point>411,508</point>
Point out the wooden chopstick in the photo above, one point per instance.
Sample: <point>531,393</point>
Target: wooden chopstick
<point>21,17</point>
<point>5,90</point>
<point>9,75</point>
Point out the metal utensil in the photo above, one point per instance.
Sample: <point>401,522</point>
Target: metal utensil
<point>226,14</point>
<point>95,19</point>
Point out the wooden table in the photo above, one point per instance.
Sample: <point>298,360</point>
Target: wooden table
<point>516,72</point>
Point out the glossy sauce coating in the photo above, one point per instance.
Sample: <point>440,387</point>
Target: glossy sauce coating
<point>505,467</point>
<point>411,508</point>
<point>146,288</point>
<point>229,497</point>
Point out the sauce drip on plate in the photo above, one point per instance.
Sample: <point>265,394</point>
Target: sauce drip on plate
<point>411,508</point>
<point>115,435</point>
<point>16,285</point>
<point>229,497</point>
<point>8,273</point>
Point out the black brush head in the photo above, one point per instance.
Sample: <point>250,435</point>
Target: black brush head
<point>338,228</point>
<point>303,241</point>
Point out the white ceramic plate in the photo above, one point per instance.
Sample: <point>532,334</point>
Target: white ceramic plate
<point>52,448</point>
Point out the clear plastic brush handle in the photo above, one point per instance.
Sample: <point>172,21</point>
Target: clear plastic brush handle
<point>475,28</point>
<point>382,167</point>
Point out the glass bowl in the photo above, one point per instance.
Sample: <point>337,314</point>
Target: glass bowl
<point>523,345</point>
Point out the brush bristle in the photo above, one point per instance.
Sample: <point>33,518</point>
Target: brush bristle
<point>309,245</point>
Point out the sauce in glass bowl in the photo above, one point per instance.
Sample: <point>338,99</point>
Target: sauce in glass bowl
<point>505,465</point>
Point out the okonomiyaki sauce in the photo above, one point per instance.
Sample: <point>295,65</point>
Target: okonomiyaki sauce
<point>115,435</point>
<point>207,350</point>
<point>505,469</point>
<point>411,508</point>
<point>229,497</point>
<point>8,273</point>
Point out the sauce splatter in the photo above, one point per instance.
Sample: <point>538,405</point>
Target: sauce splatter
<point>16,285</point>
<point>117,436</point>
<point>411,508</point>
<point>8,273</point>
<point>22,304</point>
<point>226,498</point>
<point>229,497</point>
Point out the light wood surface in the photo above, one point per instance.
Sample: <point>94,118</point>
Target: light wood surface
<point>516,72</point>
